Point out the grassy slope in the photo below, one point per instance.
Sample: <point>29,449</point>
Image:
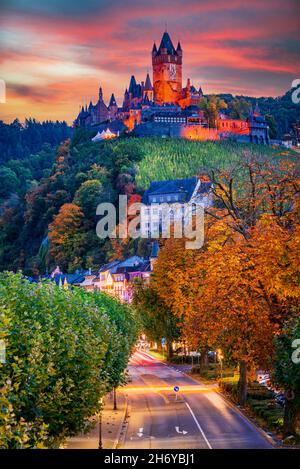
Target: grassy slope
<point>174,158</point>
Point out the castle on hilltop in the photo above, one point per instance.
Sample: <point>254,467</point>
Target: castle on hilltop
<point>165,108</point>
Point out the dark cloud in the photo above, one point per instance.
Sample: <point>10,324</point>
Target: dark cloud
<point>38,93</point>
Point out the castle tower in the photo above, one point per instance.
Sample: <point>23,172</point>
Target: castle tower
<point>167,71</point>
<point>100,113</point>
<point>112,107</point>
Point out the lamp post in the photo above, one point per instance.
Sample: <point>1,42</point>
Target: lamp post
<point>220,357</point>
<point>100,444</point>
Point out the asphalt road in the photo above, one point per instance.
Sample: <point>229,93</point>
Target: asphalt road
<point>197,418</point>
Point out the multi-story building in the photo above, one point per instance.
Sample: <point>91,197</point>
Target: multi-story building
<point>117,278</point>
<point>166,202</point>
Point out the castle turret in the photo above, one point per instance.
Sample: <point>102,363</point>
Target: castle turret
<point>126,100</point>
<point>256,111</point>
<point>112,107</point>
<point>148,89</point>
<point>179,50</point>
<point>132,87</point>
<point>154,50</point>
<point>100,111</point>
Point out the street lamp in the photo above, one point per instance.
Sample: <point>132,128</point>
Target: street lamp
<point>100,444</point>
<point>220,357</point>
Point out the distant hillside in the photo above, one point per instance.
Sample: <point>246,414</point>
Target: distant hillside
<point>18,141</point>
<point>63,190</point>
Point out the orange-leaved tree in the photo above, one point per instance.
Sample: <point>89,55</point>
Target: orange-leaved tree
<point>67,237</point>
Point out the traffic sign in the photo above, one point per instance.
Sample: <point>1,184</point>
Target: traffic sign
<point>163,341</point>
<point>176,388</point>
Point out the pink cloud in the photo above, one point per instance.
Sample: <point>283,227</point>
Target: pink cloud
<point>109,45</point>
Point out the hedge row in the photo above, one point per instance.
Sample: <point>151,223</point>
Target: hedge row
<point>64,350</point>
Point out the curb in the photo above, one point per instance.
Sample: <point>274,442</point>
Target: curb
<point>260,430</point>
<point>123,419</point>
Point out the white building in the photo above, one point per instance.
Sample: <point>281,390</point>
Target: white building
<point>166,202</point>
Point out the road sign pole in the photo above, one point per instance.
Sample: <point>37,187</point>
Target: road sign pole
<point>176,390</point>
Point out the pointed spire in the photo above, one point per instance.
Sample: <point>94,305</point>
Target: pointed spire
<point>251,111</point>
<point>148,85</point>
<point>100,94</point>
<point>132,85</point>
<point>154,48</point>
<point>112,101</point>
<point>166,44</point>
<point>256,111</point>
<point>179,47</point>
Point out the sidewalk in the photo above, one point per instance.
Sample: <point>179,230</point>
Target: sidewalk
<point>112,421</point>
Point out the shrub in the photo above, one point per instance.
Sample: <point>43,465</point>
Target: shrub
<point>212,371</point>
<point>269,411</point>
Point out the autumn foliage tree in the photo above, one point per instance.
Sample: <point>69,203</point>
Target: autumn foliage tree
<point>238,291</point>
<point>66,237</point>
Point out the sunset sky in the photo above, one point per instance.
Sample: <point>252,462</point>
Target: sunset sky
<point>55,53</point>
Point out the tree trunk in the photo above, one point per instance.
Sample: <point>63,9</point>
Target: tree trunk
<point>170,350</point>
<point>242,384</point>
<point>115,399</point>
<point>204,357</point>
<point>291,417</point>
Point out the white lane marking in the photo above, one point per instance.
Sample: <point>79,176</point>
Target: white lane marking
<point>199,426</point>
<point>184,432</point>
<point>140,432</point>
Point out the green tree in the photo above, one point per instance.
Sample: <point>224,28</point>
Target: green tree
<point>57,368</point>
<point>88,196</point>
<point>239,108</point>
<point>272,126</point>
<point>157,320</point>
<point>287,373</point>
<point>211,107</point>
<point>8,181</point>
<point>121,341</point>
<point>67,237</point>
